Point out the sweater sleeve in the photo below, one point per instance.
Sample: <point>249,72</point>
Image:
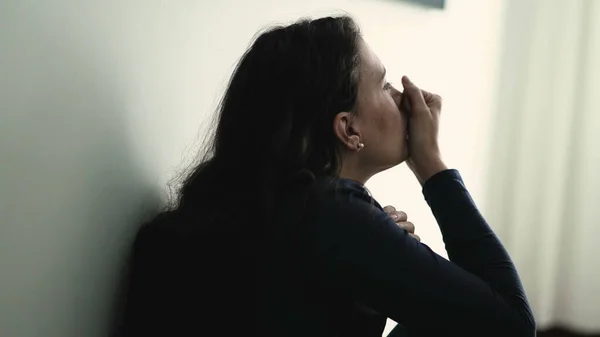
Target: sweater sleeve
<point>362,252</point>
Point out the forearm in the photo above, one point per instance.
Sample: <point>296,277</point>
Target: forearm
<point>459,219</point>
<point>362,251</point>
<point>469,240</point>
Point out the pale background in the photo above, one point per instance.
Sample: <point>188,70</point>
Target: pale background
<point>101,103</point>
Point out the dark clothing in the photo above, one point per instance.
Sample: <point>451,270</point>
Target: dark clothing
<point>332,264</point>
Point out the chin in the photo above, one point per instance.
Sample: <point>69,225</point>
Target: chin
<point>404,156</point>
<point>391,158</point>
<point>402,160</point>
<point>397,161</point>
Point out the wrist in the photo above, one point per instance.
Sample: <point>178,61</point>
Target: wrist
<point>426,170</point>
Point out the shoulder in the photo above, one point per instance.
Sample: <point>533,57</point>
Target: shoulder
<point>157,236</point>
<point>337,200</point>
<point>162,224</point>
<point>342,191</point>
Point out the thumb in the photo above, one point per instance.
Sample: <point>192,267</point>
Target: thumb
<point>414,95</point>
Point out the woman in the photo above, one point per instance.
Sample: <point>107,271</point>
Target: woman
<point>274,233</point>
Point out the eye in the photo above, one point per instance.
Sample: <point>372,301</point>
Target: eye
<point>387,86</point>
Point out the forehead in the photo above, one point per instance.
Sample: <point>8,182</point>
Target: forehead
<point>370,65</point>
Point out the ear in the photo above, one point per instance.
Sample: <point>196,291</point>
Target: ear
<point>346,130</point>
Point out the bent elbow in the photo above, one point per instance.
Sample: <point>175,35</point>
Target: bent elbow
<point>525,326</point>
<point>530,327</point>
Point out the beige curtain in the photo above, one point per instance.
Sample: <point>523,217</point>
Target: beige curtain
<point>544,179</point>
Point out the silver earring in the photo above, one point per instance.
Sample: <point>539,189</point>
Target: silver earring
<point>360,146</point>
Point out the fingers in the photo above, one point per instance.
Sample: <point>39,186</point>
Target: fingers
<point>419,98</point>
<point>401,220</point>
<point>408,226</point>
<point>389,209</point>
<point>414,94</point>
<point>395,215</point>
<point>433,101</point>
<point>398,216</point>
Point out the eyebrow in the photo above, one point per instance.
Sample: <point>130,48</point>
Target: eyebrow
<point>383,75</point>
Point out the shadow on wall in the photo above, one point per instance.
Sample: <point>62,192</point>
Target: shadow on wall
<point>72,192</point>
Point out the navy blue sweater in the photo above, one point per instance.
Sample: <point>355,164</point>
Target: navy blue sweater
<point>331,263</point>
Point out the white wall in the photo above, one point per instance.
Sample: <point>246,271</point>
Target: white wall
<point>544,174</point>
<point>99,101</point>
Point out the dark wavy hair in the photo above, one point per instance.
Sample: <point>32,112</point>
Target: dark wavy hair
<point>276,116</point>
<point>274,128</point>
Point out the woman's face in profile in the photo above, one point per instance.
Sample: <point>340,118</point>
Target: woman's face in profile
<point>381,122</point>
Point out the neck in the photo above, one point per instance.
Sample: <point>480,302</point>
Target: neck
<point>351,169</point>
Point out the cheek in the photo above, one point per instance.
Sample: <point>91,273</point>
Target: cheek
<point>385,123</point>
<point>393,122</point>
<point>395,134</point>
